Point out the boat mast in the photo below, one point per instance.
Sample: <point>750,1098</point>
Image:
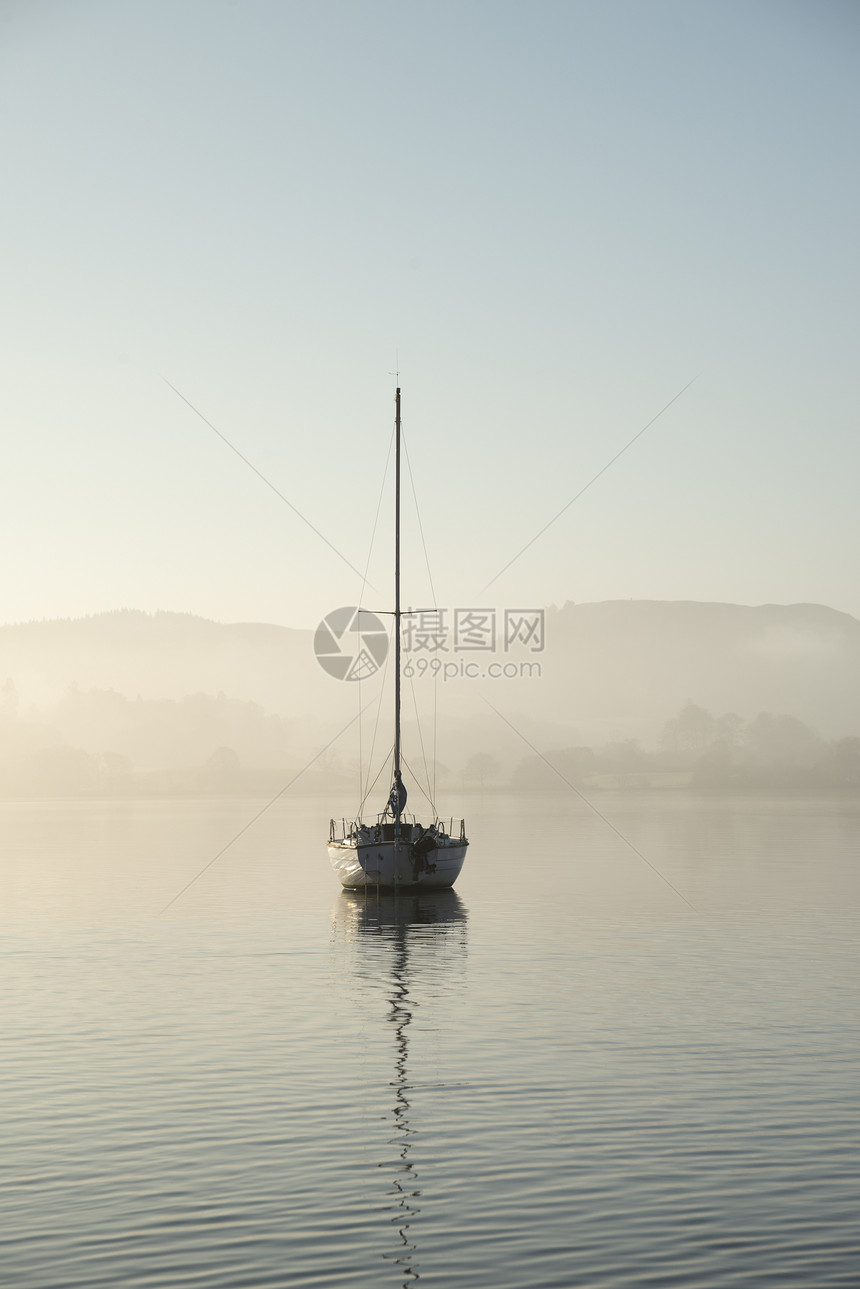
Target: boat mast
<point>397,611</point>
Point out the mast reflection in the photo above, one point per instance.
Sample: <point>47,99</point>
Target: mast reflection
<point>421,935</point>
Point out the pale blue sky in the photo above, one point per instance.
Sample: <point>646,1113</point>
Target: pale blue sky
<point>552,216</point>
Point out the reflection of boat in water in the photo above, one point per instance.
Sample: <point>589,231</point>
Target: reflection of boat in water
<point>365,909</point>
<point>396,850</point>
<point>420,933</point>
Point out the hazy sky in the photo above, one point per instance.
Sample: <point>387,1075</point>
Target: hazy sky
<point>552,216</point>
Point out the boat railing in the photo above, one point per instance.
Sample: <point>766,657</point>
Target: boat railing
<point>343,829</point>
<point>452,828</point>
<point>348,829</point>
<point>406,817</point>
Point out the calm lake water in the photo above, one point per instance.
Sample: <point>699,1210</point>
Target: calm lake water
<point>560,1075</point>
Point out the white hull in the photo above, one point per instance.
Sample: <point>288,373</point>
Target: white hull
<point>392,865</point>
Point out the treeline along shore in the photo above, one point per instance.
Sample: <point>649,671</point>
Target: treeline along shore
<point>619,695</point>
<point>99,744</point>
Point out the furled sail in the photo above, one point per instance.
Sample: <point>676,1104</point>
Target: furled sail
<point>397,799</point>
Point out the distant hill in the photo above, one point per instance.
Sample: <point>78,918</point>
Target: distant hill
<point>625,665</point>
<point>162,655</point>
<point>611,670</point>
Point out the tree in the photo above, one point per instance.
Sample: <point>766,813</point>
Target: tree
<point>481,767</point>
<point>729,730</point>
<point>843,763</point>
<point>626,759</point>
<point>221,772</point>
<point>690,731</point>
<point>534,775</point>
<point>64,771</point>
<point>782,741</point>
<point>115,771</point>
<point>9,701</point>
<point>573,764</point>
<point>625,756</point>
<point>717,768</point>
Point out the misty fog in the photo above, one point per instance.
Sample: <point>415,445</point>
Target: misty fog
<point>622,694</point>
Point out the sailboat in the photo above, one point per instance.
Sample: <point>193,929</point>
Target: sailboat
<point>395,851</point>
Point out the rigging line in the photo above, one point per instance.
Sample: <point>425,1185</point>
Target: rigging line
<point>420,788</point>
<point>588,485</point>
<point>259,814</point>
<point>590,805</point>
<point>435,717</point>
<point>376,780</point>
<point>421,741</point>
<point>418,517</point>
<point>365,583</point>
<point>378,711</point>
<point>360,749</point>
<point>260,475</point>
<point>436,637</point>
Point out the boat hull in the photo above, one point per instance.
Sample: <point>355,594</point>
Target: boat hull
<point>391,865</point>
